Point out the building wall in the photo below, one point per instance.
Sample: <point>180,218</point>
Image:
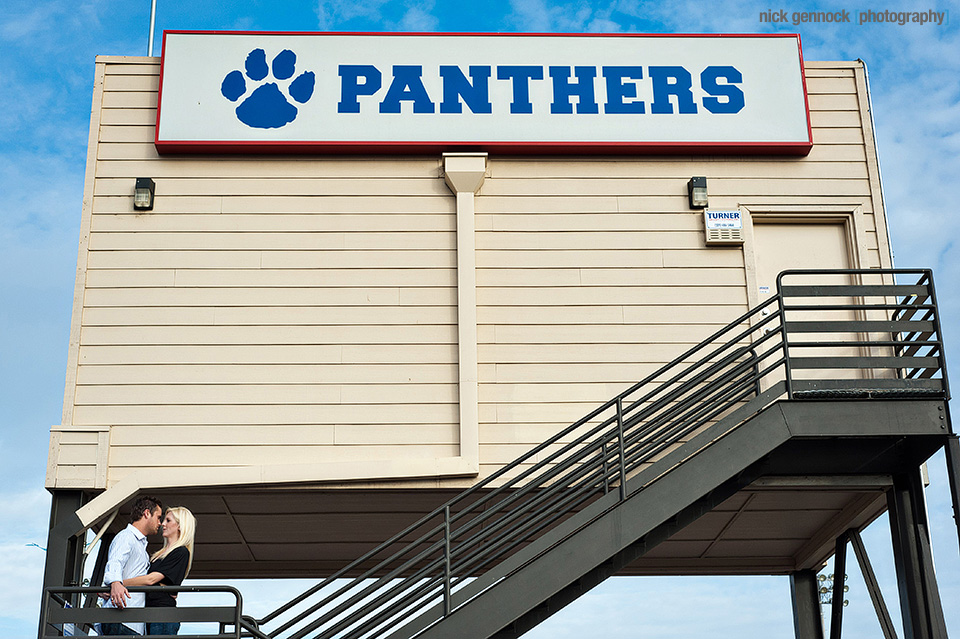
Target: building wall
<point>278,311</point>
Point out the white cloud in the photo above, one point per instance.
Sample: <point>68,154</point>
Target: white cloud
<point>21,583</point>
<point>578,16</point>
<point>26,26</point>
<point>26,514</point>
<point>388,15</point>
<point>332,13</point>
<point>418,17</point>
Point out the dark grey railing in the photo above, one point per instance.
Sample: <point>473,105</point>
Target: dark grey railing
<point>825,334</point>
<point>885,336</point>
<point>891,345</point>
<point>60,608</point>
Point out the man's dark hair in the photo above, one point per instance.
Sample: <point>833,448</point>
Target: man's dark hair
<point>142,504</point>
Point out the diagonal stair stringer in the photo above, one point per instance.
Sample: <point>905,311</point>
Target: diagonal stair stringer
<point>595,546</point>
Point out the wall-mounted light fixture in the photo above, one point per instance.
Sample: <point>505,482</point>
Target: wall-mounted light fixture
<point>697,192</point>
<point>143,194</point>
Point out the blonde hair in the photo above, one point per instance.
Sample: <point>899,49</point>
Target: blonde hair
<point>188,527</point>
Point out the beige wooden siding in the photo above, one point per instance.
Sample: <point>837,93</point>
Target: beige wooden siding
<point>592,274</point>
<point>298,310</point>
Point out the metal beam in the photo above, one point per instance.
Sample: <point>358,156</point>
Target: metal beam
<point>919,596</point>
<point>63,550</point>
<point>99,568</point>
<point>953,473</point>
<point>807,623</point>
<point>839,581</point>
<point>873,586</point>
<point>64,560</point>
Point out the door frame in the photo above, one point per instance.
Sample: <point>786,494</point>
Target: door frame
<point>851,216</point>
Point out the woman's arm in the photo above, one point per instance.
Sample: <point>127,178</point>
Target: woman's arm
<point>150,579</point>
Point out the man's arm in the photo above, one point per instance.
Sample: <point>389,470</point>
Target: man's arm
<point>113,574</point>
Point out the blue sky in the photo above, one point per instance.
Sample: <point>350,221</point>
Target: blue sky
<point>47,54</point>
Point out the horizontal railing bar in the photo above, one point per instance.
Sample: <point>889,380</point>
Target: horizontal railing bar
<point>223,615</point>
<point>58,634</point>
<point>217,614</point>
<point>878,343</point>
<point>924,273</point>
<point>91,590</point>
<point>852,290</point>
<point>855,307</point>
<point>855,326</point>
<point>864,362</point>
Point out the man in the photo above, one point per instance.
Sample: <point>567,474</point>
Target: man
<point>127,558</point>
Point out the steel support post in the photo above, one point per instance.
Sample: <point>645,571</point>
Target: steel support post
<point>919,595</point>
<point>64,552</point>
<point>839,581</point>
<point>64,559</point>
<point>99,568</point>
<point>953,476</point>
<point>807,623</point>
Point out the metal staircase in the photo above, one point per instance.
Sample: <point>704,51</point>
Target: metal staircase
<point>529,539</point>
<point>546,528</point>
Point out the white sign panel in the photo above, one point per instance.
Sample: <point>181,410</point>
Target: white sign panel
<point>340,92</point>
<point>723,219</point>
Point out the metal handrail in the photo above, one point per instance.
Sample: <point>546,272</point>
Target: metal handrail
<point>481,486</point>
<point>600,452</point>
<point>65,613</point>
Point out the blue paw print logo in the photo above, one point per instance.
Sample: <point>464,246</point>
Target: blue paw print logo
<point>267,107</point>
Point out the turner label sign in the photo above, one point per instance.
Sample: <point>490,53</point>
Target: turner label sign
<point>341,92</point>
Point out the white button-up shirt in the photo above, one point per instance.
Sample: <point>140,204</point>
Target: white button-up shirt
<point>128,558</point>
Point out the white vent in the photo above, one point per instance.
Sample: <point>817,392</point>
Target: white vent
<point>724,236</point>
<point>723,227</point>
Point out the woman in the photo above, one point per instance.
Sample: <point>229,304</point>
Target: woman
<point>169,565</point>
